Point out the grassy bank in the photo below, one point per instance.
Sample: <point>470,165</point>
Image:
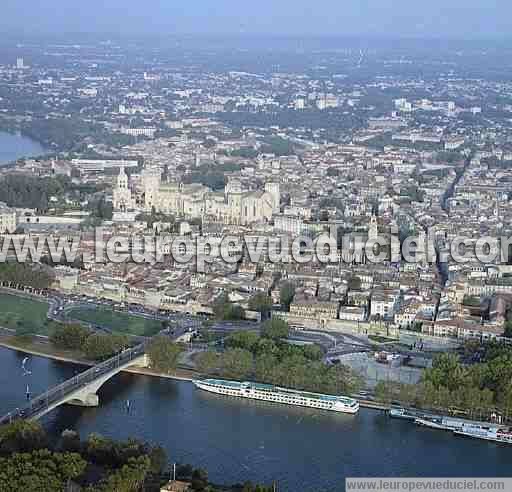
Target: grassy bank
<point>16,311</point>
<point>123,323</point>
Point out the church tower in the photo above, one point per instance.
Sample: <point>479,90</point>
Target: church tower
<point>122,179</point>
<point>122,196</point>
<point>151,184</point>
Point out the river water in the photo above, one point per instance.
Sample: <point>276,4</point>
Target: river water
<point>303,450</point>
<point>14,147</point>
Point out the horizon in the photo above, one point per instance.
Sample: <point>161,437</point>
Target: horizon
<point>465,21</point>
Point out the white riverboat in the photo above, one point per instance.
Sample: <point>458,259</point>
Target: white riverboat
<point>454,424</point>
<point>437,423</point>
<point>488,433</point>
<point>275,394</point>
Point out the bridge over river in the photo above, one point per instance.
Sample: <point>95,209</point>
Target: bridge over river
<point>81,389</point>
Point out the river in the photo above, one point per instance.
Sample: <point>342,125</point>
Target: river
<point>238,440</point>
<point>14,147</point>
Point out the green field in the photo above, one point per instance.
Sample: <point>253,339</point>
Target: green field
<point>15,310</point>
<point>117,322</point>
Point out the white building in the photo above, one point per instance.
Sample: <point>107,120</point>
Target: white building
<point>352,313</point>
<point>289,224</point>
<point>99,165</point>
<point>139,132</point>
<point>122,198</point>
<point>233,206</point>
<point>8,222</point>
<point>383,304</point>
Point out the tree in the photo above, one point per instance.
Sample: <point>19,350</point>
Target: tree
<point>70,442</point>
<point>22,436</point>
<point>163,354</point>
<point>220,305</point>
<point>129,478</point>
<point>261,303</point>
<point>265,368</point>
<point>101,347</point>
<point>313,352</point>
<point>471,347</point>
<point>39,470</point>
<point>207,362</point>
<point>237,363</point>
<point>508,329</point>
<point>213,179</point>
<point>224,310</point>
<point>341,379</point>
<point>446,371</point>
<point>505,402</point>
<point>158,460</point>
<point>101,209</point>
<point>24,191</point>
<point>199,480</point>
<point>276,329</point>
<point>69,336</point>
<point>26,274</point>
<point>247,340</point>
<point>286,294</point>
<point>266,346</point>
<point>384,392</point>
<point>99,449</point>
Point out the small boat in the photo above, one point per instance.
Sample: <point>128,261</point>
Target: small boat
<point>494,434</point>
<point>433,423</point>
<point>402,413</point>
<point>24,367</point>
<point>453,425</point>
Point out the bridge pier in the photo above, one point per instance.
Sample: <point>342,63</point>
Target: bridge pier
<point>88,397</point>
<point>87,400</point>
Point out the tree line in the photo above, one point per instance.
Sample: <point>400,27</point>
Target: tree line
<point>71,134</point>
<point>162,352</point>
<point>334,119</point>
<point>94,346</point>
<point>32,461</point>
<point>13,274</point>
<point>18,190</point>
<point>212,176</point>
<point>22,191</point>
<point>225,310</point>
<point>449,385</point>
<point>268,358</point>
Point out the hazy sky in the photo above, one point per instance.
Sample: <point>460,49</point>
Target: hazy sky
<point>394,18</point>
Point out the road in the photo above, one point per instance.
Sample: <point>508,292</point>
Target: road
<point>333,344</point>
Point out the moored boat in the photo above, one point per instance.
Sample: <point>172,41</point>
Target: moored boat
<point>433,423</point>
<point>275,394</point>
<point>489,434</point>
<point>403,413</point>
<point>453,424</point>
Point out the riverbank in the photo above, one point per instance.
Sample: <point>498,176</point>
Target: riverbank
<point>41,348</point>
<point>238,440</point>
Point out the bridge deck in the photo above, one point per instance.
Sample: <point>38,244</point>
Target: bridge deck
<point>42,403</point>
